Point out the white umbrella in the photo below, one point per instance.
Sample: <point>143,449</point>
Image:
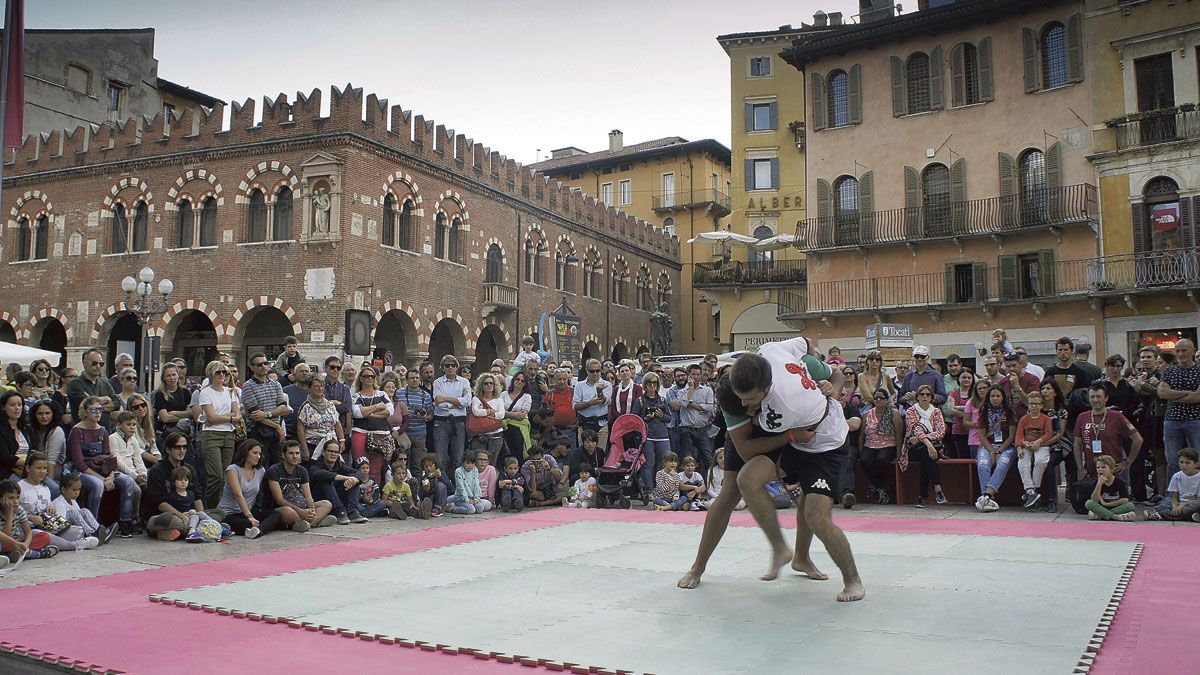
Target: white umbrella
<point>774,243</point>
<point>23,355</point>
<point>721,237</point>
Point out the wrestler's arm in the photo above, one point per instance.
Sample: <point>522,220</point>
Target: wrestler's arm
<point>748,446</point>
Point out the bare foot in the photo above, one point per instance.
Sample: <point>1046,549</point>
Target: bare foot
<point>691,579</point>
<point>809,569</point>
<point>852,592</point>
<point>778,559</point>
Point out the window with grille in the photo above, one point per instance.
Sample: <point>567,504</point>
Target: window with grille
<point>1054,56</point>
<point>971,74</point>
<point>935,199</point>
<point>208,222</point>
<point>760,66</point>
<point>406,235</point>
<point>494,271</point>
<point>184,224</point>
<point>258,216</point>
<point>836,98</point>
<point>845,194</point>
<point>916,74</point>
<point>1031,177</point>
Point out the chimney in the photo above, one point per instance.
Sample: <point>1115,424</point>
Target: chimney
<point>819,20</point>
<point>835,18</point>
<point>616,140</point>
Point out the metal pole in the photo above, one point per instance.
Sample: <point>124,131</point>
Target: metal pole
<point>4,56</point>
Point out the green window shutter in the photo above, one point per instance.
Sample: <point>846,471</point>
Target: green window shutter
<point>773,109</point>
<point>817,94</point>
<point>1046,271</point>
<point>983,55</point>
<point>1054,182</point>
<point>958,195</point>
<point>750,174</point>
<point>979,292</point>
<point>1030,56</point>
<point>1008,277</point>
<point>912,203</point>
<point>1008,190</point>
<point>824,212</point>
<point>897,87</point>
<point>948,278</point>
<point>958,82</point>
<point>866,206</point>
<point>775,173</point>
<point>937,99</point>
<point>854,93</point>
<point>749,117</point>
<point>1075,48</point>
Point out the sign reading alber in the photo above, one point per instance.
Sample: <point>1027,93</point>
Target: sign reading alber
<point>880,335</point>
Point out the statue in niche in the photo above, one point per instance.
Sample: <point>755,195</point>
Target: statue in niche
<point>321,206</point>
<point>660,331</point>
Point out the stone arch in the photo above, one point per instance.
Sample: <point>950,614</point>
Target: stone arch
<point>252,181</point>
<point>1157,174</point>
<point>165,326</point>
<point>592,348</point>
<point>114,195</point>
<point>447,336</point>
<point>535,231</point>
<point>49,329</point>
<point>493,342</point>
<point>31,333</point>
<point>177,193</point>
<point>620,350</point>
<point>263,328</point>
<point>460,210</point>
<point>406,190</point>
<point>105,320</point>
<point>400,328</point>
<point>31,195</point>
<point>642,348</point>
<point>232,333</point>
<point>8,323</point>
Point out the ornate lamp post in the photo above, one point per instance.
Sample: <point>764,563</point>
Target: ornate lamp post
<point>146,306</point>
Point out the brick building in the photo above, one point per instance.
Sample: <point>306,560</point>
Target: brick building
<point>275,228</point>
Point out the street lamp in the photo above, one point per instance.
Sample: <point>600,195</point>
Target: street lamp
<point>146,307</point>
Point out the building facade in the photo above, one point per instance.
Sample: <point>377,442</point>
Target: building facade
<point>1145,83</point>
<point>683,187</point>
<point>77,77</point>
<point>947,177</point>
<point>275,228</point>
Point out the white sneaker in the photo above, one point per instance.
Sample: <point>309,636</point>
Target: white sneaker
<point>91,542</point>
<point>991,505</point>
<point>252,532</point>
<point>981,503</point>
<point>1093,516</point>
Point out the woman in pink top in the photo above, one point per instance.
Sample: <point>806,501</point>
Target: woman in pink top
<point>971,410</point>
<point>883,431</point>
<point>487,475</point>
<point>956,445</point>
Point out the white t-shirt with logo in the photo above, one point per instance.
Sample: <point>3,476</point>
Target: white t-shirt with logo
<point>1187,487</point>
<point>794,399</point>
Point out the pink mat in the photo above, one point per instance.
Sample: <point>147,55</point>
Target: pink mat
<point>1161,598</point>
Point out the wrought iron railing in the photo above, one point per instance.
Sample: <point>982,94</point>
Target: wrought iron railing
<point>754,273</point>
<point>1067,205</point>
<point>499,295</point>
<point>686,198</point>
<point>1155,127</point>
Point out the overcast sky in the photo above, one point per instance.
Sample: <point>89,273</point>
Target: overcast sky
<point>517,76</point>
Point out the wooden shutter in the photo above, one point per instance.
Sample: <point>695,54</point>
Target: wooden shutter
<point>948,280</point>
<point>979,291</point>
<point>958,82</point>
<point>1029,46</point>
<point>866,206</point>
<point>749,117</point>
<point>773,114</point>
<point>750,174</point>
<point>1054,182</point>
<point>937,99</point>
<point>983,56</point>
<point>1008,190</point>
<point>958,195</point>
<point>1075,48</point>
<point>775,173</point>
<point>824,213</point>
<point>1046,272</point>
<point>817,94</point>
<point>854,93</point>
<point>1008,277</point>
<point>898,102</point>
<point>1138,223</point>
<point>1187,230</point>
<point>912,202</point>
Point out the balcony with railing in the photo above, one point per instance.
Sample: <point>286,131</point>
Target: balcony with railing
<point>719,202</point>
<point>1040,209</point>
<point>1030,281</point>
<point>497,296</point>
<point>738,274</point>
<point>1157,126</point>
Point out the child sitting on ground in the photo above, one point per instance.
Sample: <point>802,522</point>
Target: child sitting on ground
<point>487,477</point>
<point>398,495</point>
<point>716,478</point>
<point>369,504</point>
<point>186,504</point>
<point>1110,499</point>
<point>666,496</point>
<point>433,484</point>
<point>16,533</point>
<point>67,505</point>
<point>560,454</point>
<point>512,486</point>
<point>691,484</point>
<point>1184,491</point>
<point>542,476</point>
<point>468,497</point>
<point>583,493</point>
<point>35,499</point>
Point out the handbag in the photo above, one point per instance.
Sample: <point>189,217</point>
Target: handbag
<point>380,444</point>
<point>482,425</point>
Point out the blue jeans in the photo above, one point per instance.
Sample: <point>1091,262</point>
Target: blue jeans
<point>343,500</point>
<point>993,476</point>
<point>449,441</point>
<point>654,452</point>
<point>1179,434</point>
<point>694,442</point>
<point>675,505</point>
<point>512,498</point>
<point>460,505</point>
<point>372,510</point>
<point>130,494</point>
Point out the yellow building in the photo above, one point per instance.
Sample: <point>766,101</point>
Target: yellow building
<point>682,186</point>
<point>1142,61</point>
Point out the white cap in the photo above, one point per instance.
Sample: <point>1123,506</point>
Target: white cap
<point>920,350</point>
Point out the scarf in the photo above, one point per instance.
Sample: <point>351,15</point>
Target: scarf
<point>886,425</point>
<point>321,406</point>
<point>995,416</point>
<point>627,392</point>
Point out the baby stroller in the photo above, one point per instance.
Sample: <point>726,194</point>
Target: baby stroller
<point>617,481</point>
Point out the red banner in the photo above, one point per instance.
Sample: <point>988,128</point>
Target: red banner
<point>14,113</point>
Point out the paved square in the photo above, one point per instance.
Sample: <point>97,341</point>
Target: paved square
<point>603,594</point>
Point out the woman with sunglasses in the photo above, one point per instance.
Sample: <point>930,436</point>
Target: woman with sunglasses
<point>926,431</point>
<point>654,411</point>
<point>488,402</point>
<point>170,404</point>
<point>128,380</point>
<point>883,433</point>
<point>517,403</point>
<point>47,381</point>
<point>49,438</point>
<point>371,435</point>
<point>139,404</point>
<point>849,395</point>
<point>16,439</point>
<point>221,410</point>
<point>93,460</point>
<point>873,378</point>
<point>956,402</point>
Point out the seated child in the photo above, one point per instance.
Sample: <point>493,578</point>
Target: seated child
<point>16,533</point>
<point>583,493</point>
<point>35,499</point>
<point>542,476</point>
<point>126,445</point>
<point>666,496</point>
<point>512,486</point>
<point>468,496</point>
<point>487,476</point>
<point>1184,491</point>
<point>1110,499</point>
<point>716,478</point>
<point>783,494</point>
<point>398,495</point>
<point>691,484</point>
<point>67,505</point>
<point>369,504</point>
<point>186,505</point>
<point>433,484</point>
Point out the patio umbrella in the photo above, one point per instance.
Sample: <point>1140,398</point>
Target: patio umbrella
<point>721,237</point>
<point>775,243</point>
<point>10,352</point>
